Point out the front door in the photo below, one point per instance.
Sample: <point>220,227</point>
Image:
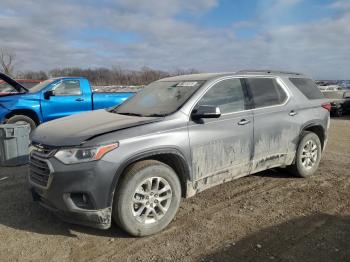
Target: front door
<point>221,148</point>
<point>68,99</point>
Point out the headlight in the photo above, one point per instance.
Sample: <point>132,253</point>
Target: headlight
<point>78,155</point>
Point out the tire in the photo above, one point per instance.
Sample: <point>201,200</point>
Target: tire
<point>22,118</point>
<point>303,167</point>
<point>130,214</point>
<point>339,112</point>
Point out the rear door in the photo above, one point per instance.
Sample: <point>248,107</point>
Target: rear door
<point>222,148</point>
<point>277,123</point>
<point>69,98</point>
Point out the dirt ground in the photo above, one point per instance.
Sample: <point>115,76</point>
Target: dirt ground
<point>270,216</point>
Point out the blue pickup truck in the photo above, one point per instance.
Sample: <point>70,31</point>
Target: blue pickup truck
<point>51,99</point>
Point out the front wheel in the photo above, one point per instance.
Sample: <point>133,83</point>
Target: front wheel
<point>308,155</point>
<point>147,199</point>
<point>22,119</point>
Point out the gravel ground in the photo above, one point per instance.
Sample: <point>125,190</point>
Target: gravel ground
<point>270,216</point>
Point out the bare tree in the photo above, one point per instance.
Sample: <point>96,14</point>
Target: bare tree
<point>7,60</point>
<point>35,75</point>
<point>107,76</point>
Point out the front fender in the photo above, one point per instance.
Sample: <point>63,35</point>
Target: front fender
<point>3,112</point>
<point>22,103</point>
<point>145,155</point>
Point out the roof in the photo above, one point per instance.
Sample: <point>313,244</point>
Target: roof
<point>209,76</point>
<point>267,72</point>
<point>197,77</point>
<point>67,77</point>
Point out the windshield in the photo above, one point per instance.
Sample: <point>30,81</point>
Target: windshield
<point>40,86</point>
<point>160,98</point>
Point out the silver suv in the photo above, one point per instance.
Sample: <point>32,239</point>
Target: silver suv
<point>178,136</point>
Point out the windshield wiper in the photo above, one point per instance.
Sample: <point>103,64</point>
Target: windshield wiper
<point>156,115</point>
<point>129,114</point>
<point>114,110</point>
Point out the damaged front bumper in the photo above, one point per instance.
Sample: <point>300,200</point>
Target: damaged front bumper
<point>79,194</point>
<point>100,219</point>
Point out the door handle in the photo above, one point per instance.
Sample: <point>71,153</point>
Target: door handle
<point>79,99</point>
<point>243,122</point>
<point>293,113</point>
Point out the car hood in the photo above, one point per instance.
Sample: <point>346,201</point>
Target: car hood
<point>75,130</point>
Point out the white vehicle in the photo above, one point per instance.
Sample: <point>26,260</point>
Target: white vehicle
<point>330,88</point>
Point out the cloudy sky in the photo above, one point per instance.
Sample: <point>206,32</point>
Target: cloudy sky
<point>312,36</point>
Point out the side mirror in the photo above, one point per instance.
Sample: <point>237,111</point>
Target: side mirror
<point>49,93</point>
<point>206,112</point>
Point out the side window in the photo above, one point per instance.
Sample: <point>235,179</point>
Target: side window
<point>307,87</point>
<point>227,95</point>
<point>68,88</point>
<point>266,92</point>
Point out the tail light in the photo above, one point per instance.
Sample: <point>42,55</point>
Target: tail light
<point>327,106</point>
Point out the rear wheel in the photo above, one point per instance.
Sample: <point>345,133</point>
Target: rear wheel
<point>308,155</point>
<point>22,119</point>
<point>147,198</point>
<point>339,112</point>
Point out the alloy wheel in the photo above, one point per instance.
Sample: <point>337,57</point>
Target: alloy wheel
<point>151,200</point>
<point>309,154</point>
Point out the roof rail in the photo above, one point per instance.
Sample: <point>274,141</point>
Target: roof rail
<point>266,71</point>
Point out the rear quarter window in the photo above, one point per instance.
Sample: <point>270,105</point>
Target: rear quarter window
<point>308,87</point>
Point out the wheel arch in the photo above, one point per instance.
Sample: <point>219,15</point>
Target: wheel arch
<point>316,128</point>
<point>26,112</point>
<point>169,156</point>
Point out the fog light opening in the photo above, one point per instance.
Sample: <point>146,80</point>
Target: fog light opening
<point>81,200</point>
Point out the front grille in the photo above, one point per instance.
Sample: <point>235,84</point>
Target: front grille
<point>39,171</point>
